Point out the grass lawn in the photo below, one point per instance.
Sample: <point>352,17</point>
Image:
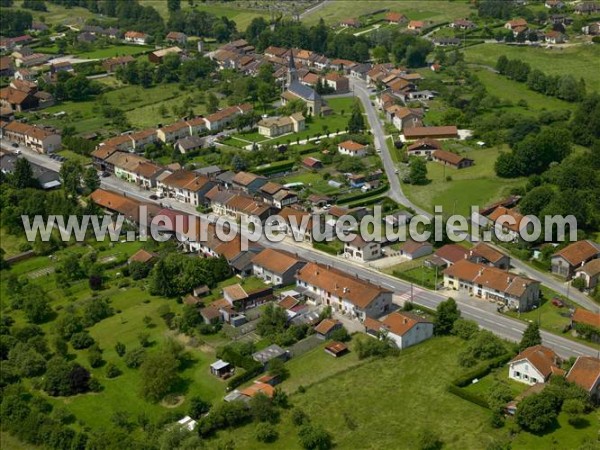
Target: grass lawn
<point>316,365</point>
<point>9,442</point>
<point>384,403</point>
<point>432,10</point>
<point>11,243</point>
<point>574,61</point>
<point>514,91</point>
<point>241,15</point>
<point>484,384</point>
<point>421,275</point>
<point>477,185</point>
<point>115,50</point>
<point>564,435</point>
<point>140,105</point>
<point>552,318</point>
<point>312,180</point>
<point>74,156</point>
<point>59,15</point>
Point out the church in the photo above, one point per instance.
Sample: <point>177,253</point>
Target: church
<point>296,90</point>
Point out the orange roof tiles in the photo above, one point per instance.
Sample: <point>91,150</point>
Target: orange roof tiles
<point>579,252</point>
<point>585,372</point>
<point>542,358</point>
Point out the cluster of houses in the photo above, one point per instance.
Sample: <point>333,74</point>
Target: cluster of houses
<point>22,94</point>
<point>579,260</point>
<point>391,18</point>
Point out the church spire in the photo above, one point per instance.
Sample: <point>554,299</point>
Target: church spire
<point>292,74</point>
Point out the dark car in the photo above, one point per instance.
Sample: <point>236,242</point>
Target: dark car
<point>154,197</point>
<point>105,174</point>
<point>14,144</point>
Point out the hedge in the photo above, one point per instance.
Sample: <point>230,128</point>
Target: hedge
<point>241,378</point>
<point>469,396</point>
<point>353,198</point>
<point>284,166</point>
<point>482,370</point>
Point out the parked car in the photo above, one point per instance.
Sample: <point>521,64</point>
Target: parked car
<point>14,144</point>
<point>153,197</point>
<point>105,174</point>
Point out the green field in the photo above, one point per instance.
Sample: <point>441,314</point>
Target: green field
<point>115,50</point>
<point>58,15</point>
<point>388,403</point>
<point>431,10</point>
<point>141,107</point>
<point>473,186</point>
<point>10,244</point>
<point>577,60</point>
<point>238,12</point>
<point>509,90</point>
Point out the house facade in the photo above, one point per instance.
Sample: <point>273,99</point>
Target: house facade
<point>276,267</point>
<point>565,262</point>
<point>361,250</point>
<point>534,365</point>
<point>403,329</point>
<point>348,295</point>
<point>514,291</point>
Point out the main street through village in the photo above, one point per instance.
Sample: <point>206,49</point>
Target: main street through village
<point>501,325</point>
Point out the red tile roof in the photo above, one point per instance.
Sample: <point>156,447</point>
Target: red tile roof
<point>579,252</point>
<point>585,372</point>
<point>542,358</point>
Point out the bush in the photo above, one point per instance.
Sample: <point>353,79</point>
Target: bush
<point>314,437</point>
<point>241,378</point>
<point>112,371</point>
<point>265,432</point>
<point>466,395</point>
<point>81,340</point>
<point>198,407</point>
<point>341,335</point>
<point>135,358</point>
<point>299,417</point>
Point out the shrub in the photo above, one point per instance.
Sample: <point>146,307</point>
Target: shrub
<point>299,417</point>
<point>135,358</point>
<point>314,437</point>
<point>81,340</point>
<point>265,432</point>
<point>112,371</point>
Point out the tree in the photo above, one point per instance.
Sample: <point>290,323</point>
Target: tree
<point>356,123</point>
<point>446,314</point>
<point>198,407</point>
<point>574,408</point>
<point>91,180</point>
<point>262,409</point>
<point>212,103</point>
<point>464,328</point>
<point>35,304</point>
<point>22,176</point>
<point>531,336</point>
<point>418,172</point>
<point>314,437</point>
<point>158,374</point>
<point>277,369</point>
<point>135,358</point>
<point>120,349</point>
<point>70,173</point>
<point>265,432</point>
<point>173,5</point>
<point>537,412</point>
<point>64,378</point>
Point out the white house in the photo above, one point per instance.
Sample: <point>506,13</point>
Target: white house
<point>534,365</point>
<point>352,148</point>
<point>361,250</point>
<point>275,267</point>
<point>403,329</point>
<point>136,37</point>
<point>37,139</point>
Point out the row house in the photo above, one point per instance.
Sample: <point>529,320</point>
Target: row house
<point>297,223</point>
<point>134,169</point>
<point>132,210</point>
<point>224,117</point>
<point>242,207</point>
<point>276,267</point>
<point>40,140</point>
<point>112,64</point>
<point>181,129</point>
<point>509,222</point>
<point>514,291</point>
<point>136,37</point>
<point>357,298</point>
<point>248,182</point>
<point>186,187</point>
<point>276,195</point>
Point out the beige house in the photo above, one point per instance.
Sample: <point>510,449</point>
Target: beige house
<point>181,129</point>
<point>349,295</point>
<point>574,256</point>
<point>276,126</point>
<point>38,139</point>
<point>514,291</point>
<point>352,148</point>
<point>590,273</point>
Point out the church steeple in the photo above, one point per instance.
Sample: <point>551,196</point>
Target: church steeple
<point>292,75</point>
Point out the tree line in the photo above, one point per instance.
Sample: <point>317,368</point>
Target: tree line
<point>565,87</point>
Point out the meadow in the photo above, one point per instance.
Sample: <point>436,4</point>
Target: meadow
<point>577,60</point>
<point>430,10</point>
<point>477,185</point>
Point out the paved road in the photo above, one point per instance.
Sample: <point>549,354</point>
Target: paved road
<point>313,9</point>
<point>501,325</point>
<point>395,192</point>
